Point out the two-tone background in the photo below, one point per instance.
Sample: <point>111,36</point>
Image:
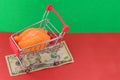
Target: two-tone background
<point>93,38</point>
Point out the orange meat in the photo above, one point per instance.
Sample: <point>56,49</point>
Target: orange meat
<point>30,37</point>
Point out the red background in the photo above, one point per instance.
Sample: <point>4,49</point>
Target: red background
<point>96,55</point>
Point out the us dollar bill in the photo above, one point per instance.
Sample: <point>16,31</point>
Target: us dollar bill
<point>38,61</point>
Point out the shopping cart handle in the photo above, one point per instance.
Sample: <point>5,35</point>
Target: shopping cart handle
<point>50,8</point>
<point>65,28</point>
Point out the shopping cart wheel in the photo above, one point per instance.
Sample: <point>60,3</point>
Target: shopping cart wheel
<point>56,63</point>
<point>27,70</point>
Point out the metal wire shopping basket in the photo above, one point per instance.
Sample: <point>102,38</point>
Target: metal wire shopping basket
<point>53,32</point>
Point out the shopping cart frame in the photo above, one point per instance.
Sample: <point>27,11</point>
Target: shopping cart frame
<point>17,50</point>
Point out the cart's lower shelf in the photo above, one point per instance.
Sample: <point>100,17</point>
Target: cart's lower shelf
<point>45,60</point>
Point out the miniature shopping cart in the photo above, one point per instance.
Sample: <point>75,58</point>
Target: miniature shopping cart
<point>52,44</point>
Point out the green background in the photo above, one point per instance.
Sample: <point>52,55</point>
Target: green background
<point>80,15</point>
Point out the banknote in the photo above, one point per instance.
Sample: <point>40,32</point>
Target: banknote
<point>39,60</point>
